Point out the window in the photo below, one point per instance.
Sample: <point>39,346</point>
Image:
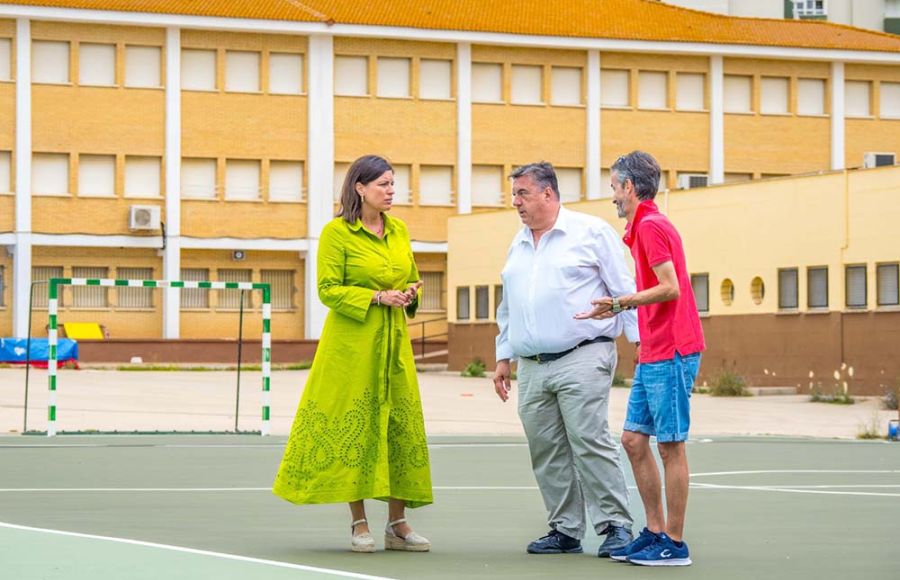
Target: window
<point>97,64</point>
<point>805,8</point>
<point>888,294</point>
<point>774,96</point>
<point>286,181</point>
<point>96,175</point>
<point>487,185</point>
<point>700,286</point>
<point>810,96</point>
<point>690,91</point>
<point>198,178</point>
<point>50,62</point>
<point>134,297</point>
<point>757,290</point>
<point>433,291</point>
<point>241,71</point>
<point>90,296</point>
<point>402,189</point>
<point>194,297</point>
<point>435,185</point>
<point>5,59</point>
<point>482,305</point>
<point>856,286</point>
<point>652,91</point>
<point>198,70</point>
<point>890,100</point>
<point>787,288</point>
<point>857,96</point>
<point>340,174</point>
<point>351,74</point>
<point>435,79</point>
<point>817,287</point>
<point>726,290</point>
<point>5,172</point>
<point>498,297</point>
<point>487,82</point>
<point>50,173</point>
<point>738,94</point>
<point>42,274</point>
<point>614,88</point>
<point>393,77</point>
<point>142,176</point>
<point>142,66</point>
<point>285,73</point>
<point>565,86</point>
<point>462,303</point>
<point>231,298</point>
<point>283,289</point>
<point>527,85</point>
<point>241,179</point>
<point>569,180</point>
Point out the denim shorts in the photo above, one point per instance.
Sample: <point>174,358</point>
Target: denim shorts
<point>660,400</point>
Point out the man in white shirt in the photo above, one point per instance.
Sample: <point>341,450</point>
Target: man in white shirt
<point>555,265</point>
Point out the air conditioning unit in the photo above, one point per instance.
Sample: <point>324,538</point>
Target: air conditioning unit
<point>879,159</point>
<point>143,217</point>
<point>691,180</point>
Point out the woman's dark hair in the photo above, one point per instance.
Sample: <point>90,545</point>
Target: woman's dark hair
<point>364,170</point>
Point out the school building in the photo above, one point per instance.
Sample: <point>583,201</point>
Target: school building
<point>204,141</point>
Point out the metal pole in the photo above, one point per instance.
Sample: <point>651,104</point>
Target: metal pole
<point>237,396</point>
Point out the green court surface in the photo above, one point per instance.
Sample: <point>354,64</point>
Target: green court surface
<point>167,507</point>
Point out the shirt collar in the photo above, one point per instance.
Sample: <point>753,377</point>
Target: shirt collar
<point>388,224</point>
<point>561,224</point>
<point>645,208</point>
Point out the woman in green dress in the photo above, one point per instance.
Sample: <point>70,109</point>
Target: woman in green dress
<point>359,432</point>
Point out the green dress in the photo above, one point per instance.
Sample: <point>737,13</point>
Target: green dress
<point>359,431</point>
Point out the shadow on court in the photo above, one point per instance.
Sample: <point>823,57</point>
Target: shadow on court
<point>142,507</point>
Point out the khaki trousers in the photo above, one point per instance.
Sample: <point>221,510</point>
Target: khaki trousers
<point>564,407</point>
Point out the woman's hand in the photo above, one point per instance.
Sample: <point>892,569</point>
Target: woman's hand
<point>413,290</point>
<point>394,298</point>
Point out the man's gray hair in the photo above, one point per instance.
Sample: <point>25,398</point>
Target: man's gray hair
<point>541,172</point>
<point>643,171</point>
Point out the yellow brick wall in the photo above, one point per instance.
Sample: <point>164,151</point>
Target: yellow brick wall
<point>875,134</point>
<point>89,215</point>
<point>216,322</point>
<point>7,213</point>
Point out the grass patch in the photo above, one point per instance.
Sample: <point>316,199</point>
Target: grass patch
<point>872,429</point>
<point>728,384</point>
<point>474,369</point>
<point>817,396</point>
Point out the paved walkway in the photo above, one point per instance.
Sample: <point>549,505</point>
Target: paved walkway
<point>125,401</point>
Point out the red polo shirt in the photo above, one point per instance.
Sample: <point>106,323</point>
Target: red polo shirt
<point>665,327</point>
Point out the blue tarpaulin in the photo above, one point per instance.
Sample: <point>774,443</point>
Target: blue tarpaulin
<point>13,350</point>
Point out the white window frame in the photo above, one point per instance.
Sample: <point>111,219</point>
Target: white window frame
<point>52,50</point>
<point>138,167</point>
<point>199,168</point>
<point>135,56</point>
<point>89,168</point>
<point>345,85</point>
<point>522,89</point>
<point>442,91</point>
<point>193,59</point>
<point>87,70</point>
<point>282,185</point>
<point>393,77</point>
<point>290,62</point>
<point>58,162</point>
<point>237,80</point>
<point>483,72</point>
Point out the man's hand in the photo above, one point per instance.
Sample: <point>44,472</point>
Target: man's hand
<point>637,353</point>
<point>602,308</point>
<point>501,379</point>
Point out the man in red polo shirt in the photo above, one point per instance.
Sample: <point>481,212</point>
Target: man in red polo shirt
<point>671,342</point>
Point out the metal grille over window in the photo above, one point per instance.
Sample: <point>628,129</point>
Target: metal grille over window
<point>90,296</point>
<point>462,303</point>
<point>817,287</point>
<point>700,285</point>
<point>231,299</point>
<point>787,288</point>
<point>482,304</point>
<point>42,274</point>
<point>856,286</point>
<point>282,283</point>
<point>195,297</point>
<point>127,297</point>
<point>432,290</point>
<point>888,291</point>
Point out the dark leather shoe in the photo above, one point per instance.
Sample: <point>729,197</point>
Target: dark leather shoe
<point>555,543</point>
<point>617,537</point>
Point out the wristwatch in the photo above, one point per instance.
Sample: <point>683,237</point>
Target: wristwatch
<point>616,307</point>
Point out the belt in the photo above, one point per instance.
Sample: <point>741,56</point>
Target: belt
<point>543,357</point>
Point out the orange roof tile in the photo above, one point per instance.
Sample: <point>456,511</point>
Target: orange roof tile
<point>647,20</point>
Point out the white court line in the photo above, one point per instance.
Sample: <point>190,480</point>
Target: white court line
<point>758,471</point>
<point>790,490</point>
<point>195,551</point>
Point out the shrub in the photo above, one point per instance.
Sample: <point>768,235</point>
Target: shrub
<point>872,429</point>
<point>474,369</point>
<point>889,400</point>
<point>728,384</point>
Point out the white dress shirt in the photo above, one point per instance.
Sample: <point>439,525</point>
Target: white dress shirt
<point>579,259</point>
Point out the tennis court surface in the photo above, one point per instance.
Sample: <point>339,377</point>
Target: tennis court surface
<point>197,506</point>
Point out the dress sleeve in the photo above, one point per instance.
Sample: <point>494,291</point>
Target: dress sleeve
<point>350,301</point>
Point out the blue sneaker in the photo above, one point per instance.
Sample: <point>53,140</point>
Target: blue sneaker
<point>644,539</point>
<point>663,552</point>
<point>617,537</point>
<point>555,543</point>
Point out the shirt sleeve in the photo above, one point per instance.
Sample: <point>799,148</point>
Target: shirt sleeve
<point>615,274</point>
<point>350,301</point>
<point>502,348</point>
<point>655,243</point>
